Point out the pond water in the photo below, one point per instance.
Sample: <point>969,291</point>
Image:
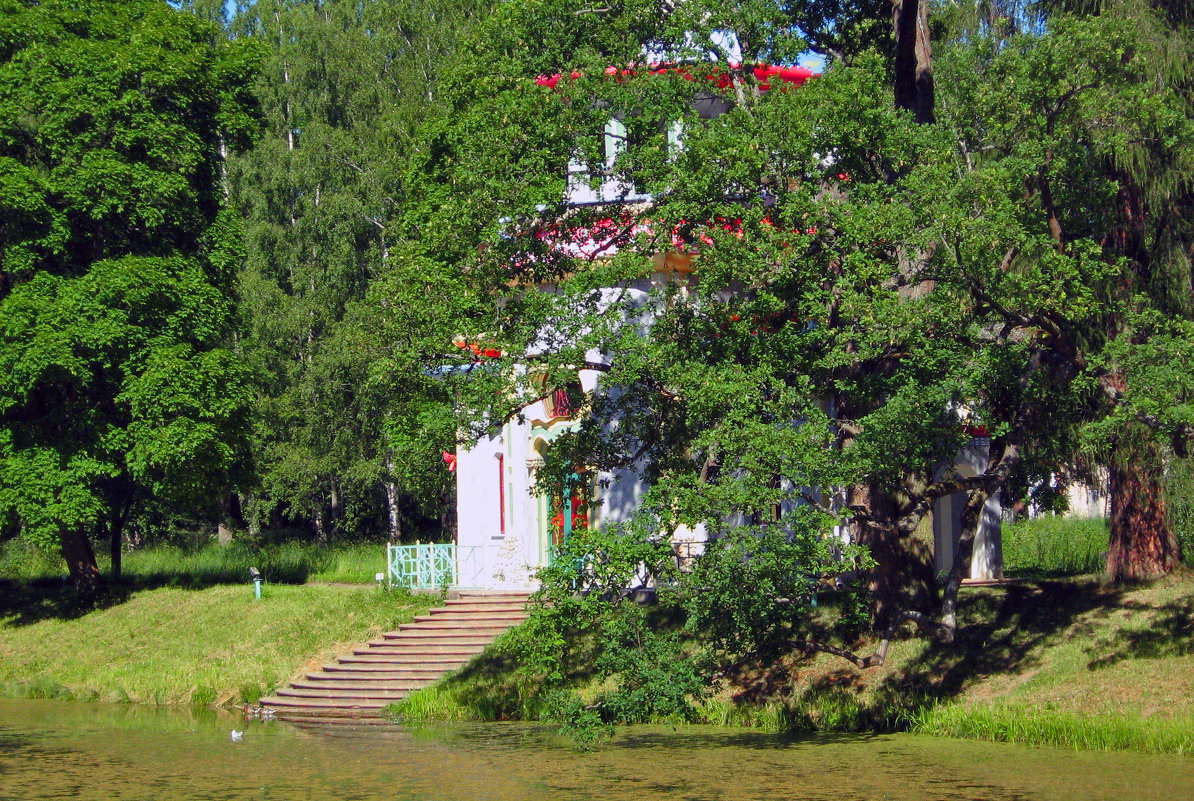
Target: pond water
<point>58,750</point>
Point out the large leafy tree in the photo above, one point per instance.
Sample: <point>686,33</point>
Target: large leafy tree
<point>851,292</point>
<point>1150,231</point>
<point>117,264</point>
<point>1154,234</point>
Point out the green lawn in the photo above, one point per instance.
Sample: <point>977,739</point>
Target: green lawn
<point>172,645</point>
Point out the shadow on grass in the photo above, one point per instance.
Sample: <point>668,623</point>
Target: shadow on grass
<point>1170,632</point>
<point>1001,632</point>
<point>23,604</point>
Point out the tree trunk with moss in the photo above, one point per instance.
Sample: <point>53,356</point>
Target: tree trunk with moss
<point>80,561</point>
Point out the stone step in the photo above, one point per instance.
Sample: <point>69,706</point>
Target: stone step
<point>493,605</point>
<point>504,621</point>
<point>405,685</point>
<point>481,628</point>
<point>374,675</point>
<point>398,655</point>
<point>431,637</point>
<point>458,643</point>
<point>400,662</point>
<point>505,611</point>
<point>508,602</point>
<point>341,694</point>
<point>339,706</point>
<point>358,686</point>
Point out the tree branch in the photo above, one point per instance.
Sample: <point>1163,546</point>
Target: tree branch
<point>922,621</point>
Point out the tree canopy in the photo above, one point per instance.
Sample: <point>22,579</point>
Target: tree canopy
<point>117,265</point>
<point>856,286</point>
<point>349,427</point>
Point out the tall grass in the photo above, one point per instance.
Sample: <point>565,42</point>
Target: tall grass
<point>1179,500</point>
<point>436,703</point>
<point>23,562</point>
<point>284,563</point>
<point>1033,726</point>
<point>1052,545</point>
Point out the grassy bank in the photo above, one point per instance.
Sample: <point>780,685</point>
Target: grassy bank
<point>1063,662</point>
<point>284,563</point>
<point>175,645</point>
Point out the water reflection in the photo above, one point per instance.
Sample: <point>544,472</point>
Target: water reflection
<point>52,750</point>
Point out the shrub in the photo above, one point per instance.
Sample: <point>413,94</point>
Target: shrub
<point>655,678</point>
<point>753,589</point>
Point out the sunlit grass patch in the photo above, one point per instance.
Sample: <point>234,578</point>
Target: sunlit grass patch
<point>436,703</point>
<point>1053,545</point>
<point>1036,726</point>
<point>173,645</point>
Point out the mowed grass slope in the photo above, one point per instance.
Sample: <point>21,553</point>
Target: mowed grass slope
<point>1114,670</point>
<point>1065,662</point>
<point>170,645</point>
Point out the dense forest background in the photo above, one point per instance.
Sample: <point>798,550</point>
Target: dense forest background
<point>341,226</point>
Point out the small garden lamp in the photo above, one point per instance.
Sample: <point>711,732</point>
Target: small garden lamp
<point>255,575</point>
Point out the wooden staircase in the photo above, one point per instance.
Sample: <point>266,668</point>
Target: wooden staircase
<point>362,684</point>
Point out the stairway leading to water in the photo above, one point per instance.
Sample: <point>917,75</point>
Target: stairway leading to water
<point>358,686</point>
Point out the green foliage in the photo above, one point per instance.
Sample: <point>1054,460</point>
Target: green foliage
<point>748,597</point>
<point>115,304</point>
<point>338,328</point>
<point>584,581</point>
<point>435,703</point>
<point>1034,726</point>
<point>655,678</point>
<point>203,696</point>
<point>580,722</point>
<point>861,313</point>
<point>1179,500</point>
<point>251,692</point>
<point>282,563</point>
<point>751,591</point>
<point>828,709</point>
<point>21,560</point>
<point>1055,545</point>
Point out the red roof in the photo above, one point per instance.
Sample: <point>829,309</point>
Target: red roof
<point>763,74</point>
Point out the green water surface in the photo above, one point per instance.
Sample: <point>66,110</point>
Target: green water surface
<point>61,750</point>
